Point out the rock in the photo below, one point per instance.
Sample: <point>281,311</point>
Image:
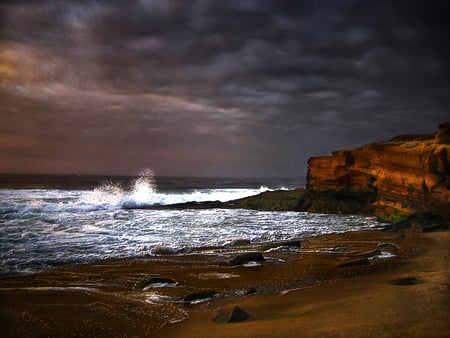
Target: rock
<point>240,242</point>
<point>158,282</point>
<point>390,179</point>
<point>247,257</point>
<point>196,205</point>
<point>355,262</point>
<point>281,200</point>
<point>194,298</point>
<point>388,247</point>
<point>162,251</point>
<point>406,174</point>
<point>236,315</point>
<point>295,243</point>
<point>251,291</point>
<point>405,281</point>
<point>181,206</point>
<point>443,135</point>
<point>337,202</point>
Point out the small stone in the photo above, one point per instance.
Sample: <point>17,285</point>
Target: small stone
<point>240,242</point>
<point>247,257</point>
<point>158,282</point>
<point>251,291</point>
<point>162,251</point>
<point>199,297</point>
<point>388,247</point>
<point>405,281</point>
<point>236,315</point>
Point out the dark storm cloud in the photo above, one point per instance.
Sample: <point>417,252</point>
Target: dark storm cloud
<point>243,87</point>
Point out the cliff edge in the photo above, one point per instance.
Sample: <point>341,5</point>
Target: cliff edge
<point>404,180</point>
<point>402,176</point>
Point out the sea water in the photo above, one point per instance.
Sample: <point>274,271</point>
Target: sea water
<point>43,224</point>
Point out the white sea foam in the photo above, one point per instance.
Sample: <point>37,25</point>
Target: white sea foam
<point>41,228</point>
<point>145,193</point>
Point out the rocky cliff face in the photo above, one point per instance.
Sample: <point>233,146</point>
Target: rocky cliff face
<point>404,175</point>
<point>408,175</point>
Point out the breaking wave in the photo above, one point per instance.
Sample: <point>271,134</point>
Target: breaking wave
<point>42,228</point>
<point>144,192</point>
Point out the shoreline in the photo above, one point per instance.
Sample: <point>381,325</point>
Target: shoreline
<point>309,289</point>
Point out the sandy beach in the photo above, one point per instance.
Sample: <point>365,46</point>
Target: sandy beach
<point>310,292</point>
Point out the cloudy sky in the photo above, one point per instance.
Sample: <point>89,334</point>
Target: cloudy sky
<point>214,88</point>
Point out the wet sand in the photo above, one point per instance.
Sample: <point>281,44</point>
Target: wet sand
<point>295,293</point>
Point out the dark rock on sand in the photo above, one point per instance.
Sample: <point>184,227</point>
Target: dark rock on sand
<point>251,291</point>
<point>388,247</point>
<point>155,282</point>
<point>247,257</point>
<point>405,281</point>
<point>236,315</point>
<point>199,296</point>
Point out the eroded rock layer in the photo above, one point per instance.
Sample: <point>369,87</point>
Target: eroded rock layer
<point>406,174</point>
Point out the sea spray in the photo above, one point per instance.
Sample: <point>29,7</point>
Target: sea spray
<point>107,194</point>
<point>144,192</point>
<point>113,195</point>
<point>42,228</point>
<point>144,187</point>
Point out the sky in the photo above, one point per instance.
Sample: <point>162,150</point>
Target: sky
<point>237,88</point>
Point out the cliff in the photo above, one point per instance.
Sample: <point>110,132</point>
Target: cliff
<point>405,175</point>
<point>405,180</point>
<point>408,175</point>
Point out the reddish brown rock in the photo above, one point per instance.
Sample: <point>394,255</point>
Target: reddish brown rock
<point>443,135</point>
<point>235,315</point>
<point>408,173</point>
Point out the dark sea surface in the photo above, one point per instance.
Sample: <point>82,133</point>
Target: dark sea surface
<point>164,183</point>
<point>51,220</point>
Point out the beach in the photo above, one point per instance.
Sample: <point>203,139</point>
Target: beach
<point>357,284</point>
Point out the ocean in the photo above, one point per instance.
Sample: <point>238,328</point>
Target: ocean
<point>52,220</point>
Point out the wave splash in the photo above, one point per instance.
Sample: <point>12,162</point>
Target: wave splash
<point>144,192</point>
<point>144,187</point>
